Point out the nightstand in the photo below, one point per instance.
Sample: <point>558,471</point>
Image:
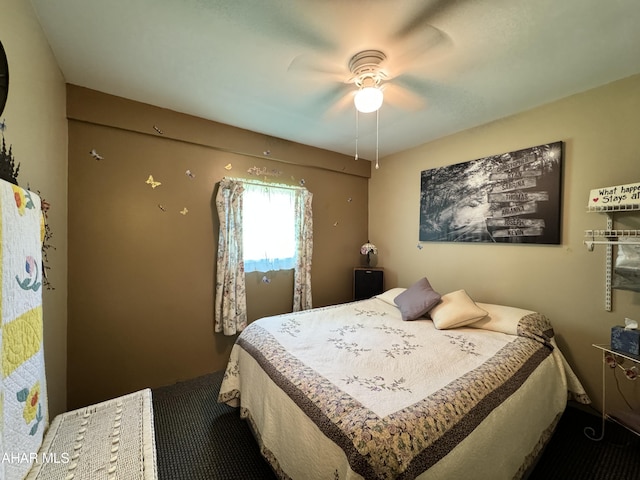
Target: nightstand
<point>367,282</point>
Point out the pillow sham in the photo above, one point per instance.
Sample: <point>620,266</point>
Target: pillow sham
<point>456,309</point>
<point>389,295</point>
<point>417,300</point>
<point>500,318</point>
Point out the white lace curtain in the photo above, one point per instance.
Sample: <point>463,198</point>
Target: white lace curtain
<point>230,296</point>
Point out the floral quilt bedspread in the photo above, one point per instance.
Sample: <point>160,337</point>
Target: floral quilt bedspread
<point>23,389</point>
<point>395,396</point>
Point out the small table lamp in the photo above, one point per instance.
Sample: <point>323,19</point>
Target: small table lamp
<point>367,249</point>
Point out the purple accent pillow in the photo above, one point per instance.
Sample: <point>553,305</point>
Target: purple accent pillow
<point>417,300</point>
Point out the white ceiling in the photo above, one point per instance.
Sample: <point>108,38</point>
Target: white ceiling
<point>262,64</point>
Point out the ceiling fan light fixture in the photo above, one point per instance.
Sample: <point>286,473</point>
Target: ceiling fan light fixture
<point>368,99</point>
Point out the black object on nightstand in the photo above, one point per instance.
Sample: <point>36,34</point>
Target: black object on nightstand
<point>367,282</point>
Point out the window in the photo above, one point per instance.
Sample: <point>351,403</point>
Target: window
<point>276,233</point>
<point>269,229</point>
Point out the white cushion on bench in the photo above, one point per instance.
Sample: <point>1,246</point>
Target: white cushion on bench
<point>108,440</point>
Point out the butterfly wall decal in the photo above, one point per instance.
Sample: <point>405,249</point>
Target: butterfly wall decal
<point>152,182</point>
<point>95,154</point>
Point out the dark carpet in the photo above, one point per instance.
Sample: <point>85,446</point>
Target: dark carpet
<point>571,455</point>
<point>199,439</point>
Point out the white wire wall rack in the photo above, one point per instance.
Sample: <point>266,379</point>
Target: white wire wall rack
<point>614,208</point>
<point>610,237</point>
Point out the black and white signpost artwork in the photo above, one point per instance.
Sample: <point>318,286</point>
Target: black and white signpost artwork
<point>513,197</point>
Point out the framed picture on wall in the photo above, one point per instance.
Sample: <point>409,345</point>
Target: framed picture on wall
<point>513,197</point>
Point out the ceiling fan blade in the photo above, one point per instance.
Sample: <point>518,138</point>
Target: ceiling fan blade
<point>343,103</point>
<point>400,97</point>
<point>279,20</point>
<point>431,40</point>
<point>438,94</point>
<point>317,68</point>
<point>420,86</point>
<point>424,16</point>
<point>331,99</point>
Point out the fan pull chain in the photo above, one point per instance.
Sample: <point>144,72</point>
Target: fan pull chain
<point>356,133</point>
<point>377,134</point>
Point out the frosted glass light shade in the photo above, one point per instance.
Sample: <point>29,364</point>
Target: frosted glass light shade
<point>368,99</point>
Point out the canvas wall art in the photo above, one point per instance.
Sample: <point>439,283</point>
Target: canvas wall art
<point>513,197</point>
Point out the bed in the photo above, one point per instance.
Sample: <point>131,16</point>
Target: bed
<point>354,391</point>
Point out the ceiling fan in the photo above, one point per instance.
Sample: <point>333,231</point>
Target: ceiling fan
<point>369,81</point>
<point>390,67</point>
<point>372,77</point>
<point>366,83</point>
<point>384,59</point>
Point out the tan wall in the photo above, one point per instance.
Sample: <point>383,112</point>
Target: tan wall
<point>37,131</point>
<point>141,279</point>
<point>565,282</point>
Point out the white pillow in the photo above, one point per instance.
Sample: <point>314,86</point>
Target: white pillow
<point>390,295</point>
<point>455,309</point>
